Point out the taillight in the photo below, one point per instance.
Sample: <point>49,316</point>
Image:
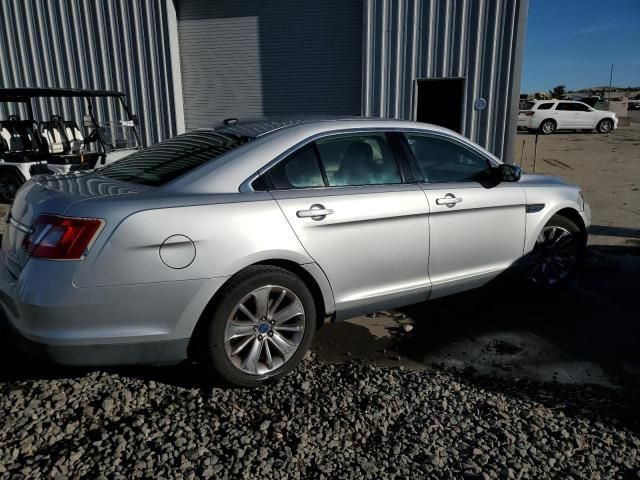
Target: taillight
<point>61,238</point>
<point>530,113</point>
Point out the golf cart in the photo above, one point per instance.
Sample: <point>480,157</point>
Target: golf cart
<point>30,146</point>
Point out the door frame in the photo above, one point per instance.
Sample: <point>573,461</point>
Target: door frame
<point>416,93</point>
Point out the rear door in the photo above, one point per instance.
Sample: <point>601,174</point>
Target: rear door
<point>476,228</point>
<point>349,201</point>
<point>564,115</point>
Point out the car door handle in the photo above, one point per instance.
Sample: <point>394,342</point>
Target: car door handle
<point>315,212</point>
<point>449,200</point>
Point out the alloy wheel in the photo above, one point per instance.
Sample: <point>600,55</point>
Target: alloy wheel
<point>547,127</point>
<point>606,126</point>
<point>554,257</point>
<point>8,190</point>
<point>264,330</point>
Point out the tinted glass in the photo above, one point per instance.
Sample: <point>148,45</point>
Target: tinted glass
<point>168,160</point>
<point>578,107</point>
<point>300,170</point>
<point>442,160</point>
<point>564,106</point>
<point>526,105</point>
<point>545,106</point>
<point>358,159</point>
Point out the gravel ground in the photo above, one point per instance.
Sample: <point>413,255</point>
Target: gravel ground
<point>323,421</point>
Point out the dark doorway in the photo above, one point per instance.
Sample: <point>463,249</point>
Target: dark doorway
<point>440,102</point>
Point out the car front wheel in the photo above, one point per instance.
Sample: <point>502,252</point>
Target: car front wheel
<point>605,125</point>
<point>557,255</point>
<point>261,327</point>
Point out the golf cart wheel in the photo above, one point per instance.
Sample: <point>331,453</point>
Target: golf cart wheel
<point>260,328</point>
<point>10,182</point>
<point>605,125</point>
<point>558,254</point>
<point>547,127</point>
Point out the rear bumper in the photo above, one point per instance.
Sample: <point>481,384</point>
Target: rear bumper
<point>49,317</point>
<point>141,353</point>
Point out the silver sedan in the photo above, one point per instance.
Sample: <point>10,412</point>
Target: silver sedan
<point>232,245</point>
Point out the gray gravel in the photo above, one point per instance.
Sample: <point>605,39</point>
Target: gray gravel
<point>323,421</point>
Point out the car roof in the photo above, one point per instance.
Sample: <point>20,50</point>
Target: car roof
<point>258,127</point>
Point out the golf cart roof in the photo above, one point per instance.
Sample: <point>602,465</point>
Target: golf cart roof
<point>20,94</point>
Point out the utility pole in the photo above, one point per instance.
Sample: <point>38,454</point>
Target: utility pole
<point>610,83</point>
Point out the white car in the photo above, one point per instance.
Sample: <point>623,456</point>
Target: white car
<point>547,116</point>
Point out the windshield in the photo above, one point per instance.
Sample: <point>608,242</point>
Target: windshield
<point>166,161</point>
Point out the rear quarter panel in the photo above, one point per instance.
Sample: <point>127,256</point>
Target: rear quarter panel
<point>226,236</point>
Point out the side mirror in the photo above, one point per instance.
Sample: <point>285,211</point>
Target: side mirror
<point>508,173</point>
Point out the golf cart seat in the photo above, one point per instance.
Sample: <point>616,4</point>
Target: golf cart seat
<point>74,135</point>
<point>20,137</point>
<point>54,135</point>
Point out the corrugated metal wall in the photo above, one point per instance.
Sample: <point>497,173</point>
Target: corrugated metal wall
<point>116,45</point>
<point>283,57</point>
<point>405,40</point>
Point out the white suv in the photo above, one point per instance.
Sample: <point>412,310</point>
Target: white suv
<point>548,116</point>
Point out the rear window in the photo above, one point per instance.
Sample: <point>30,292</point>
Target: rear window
<point>525,105</point>
<point>168,160</point>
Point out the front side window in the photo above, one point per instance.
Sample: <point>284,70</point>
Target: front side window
<point>168,160</point>
<point>358,159</point>
<point>579,107</point>
<point>444,161</point>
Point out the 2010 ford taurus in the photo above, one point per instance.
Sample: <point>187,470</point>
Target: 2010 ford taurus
<point>233,244</point>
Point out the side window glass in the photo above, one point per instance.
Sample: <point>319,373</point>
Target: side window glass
<point>580,108</point>
<point>358,159</point>
<point>299,170</point>
<point>562,106</point>
<point>444,161</point>
<point>545,106</point>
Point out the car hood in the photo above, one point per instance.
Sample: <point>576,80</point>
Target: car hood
<point>537,179</point>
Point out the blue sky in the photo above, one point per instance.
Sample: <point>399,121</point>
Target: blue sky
<point>574,42</point>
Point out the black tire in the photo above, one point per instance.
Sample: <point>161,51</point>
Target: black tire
<point>213,350</point>
<point>548,126</point>
<point>10,182</point>
<point>569,247</point>
<point>605,126</point>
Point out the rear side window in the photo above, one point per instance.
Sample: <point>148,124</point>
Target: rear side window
<point>300,170</point>
<point>358,159</point>
<point>545,106</point>
<point>168,160</point>
<point>444,161</point>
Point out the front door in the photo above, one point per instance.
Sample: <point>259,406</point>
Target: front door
<point>346,199</point>
<point>476,229</point>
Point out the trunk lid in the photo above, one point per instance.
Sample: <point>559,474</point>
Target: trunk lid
<point>52,194</point>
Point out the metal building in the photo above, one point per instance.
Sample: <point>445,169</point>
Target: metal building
<point>189,63</point>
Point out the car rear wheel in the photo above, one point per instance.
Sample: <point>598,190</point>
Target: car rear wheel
<point>261,327</point>
<point>605,125</point>
<point>548,127</point>
<point>9,185</point>
<point>557,255</point>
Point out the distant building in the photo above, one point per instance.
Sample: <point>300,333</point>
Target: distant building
<point>190,63</point>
